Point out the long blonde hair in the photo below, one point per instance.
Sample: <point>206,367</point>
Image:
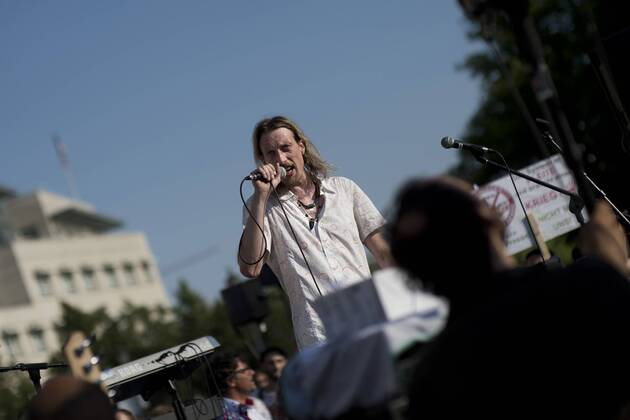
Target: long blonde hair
<point>313,161</point>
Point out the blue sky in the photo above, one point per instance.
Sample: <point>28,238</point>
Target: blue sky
<point>155,102</point>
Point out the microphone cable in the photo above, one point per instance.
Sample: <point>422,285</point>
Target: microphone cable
<point>240,243</point>
<point>210,371</point>
<point>182,364</point>
<point>200,404</point>
<point>518,195</point>
<point>251,215</point>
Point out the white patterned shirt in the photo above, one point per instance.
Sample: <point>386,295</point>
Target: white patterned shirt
<point>334,249</point>
<point>253,409</point>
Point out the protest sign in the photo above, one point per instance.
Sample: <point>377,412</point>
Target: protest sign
<point>549,207</point>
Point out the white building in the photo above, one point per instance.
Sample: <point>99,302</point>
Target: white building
<point>55,249</point>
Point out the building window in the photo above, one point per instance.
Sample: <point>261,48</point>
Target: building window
<point>67,279</point>
<point>130,274</point>
<point>12,343</point>
<point>112,277</point>
<point>43,283</point>
<point>146,270</point>
<point>37,340</point>
<point>30,232</point>
<point>89,279</point>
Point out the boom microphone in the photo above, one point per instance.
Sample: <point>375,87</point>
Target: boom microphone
<point>451,143</point>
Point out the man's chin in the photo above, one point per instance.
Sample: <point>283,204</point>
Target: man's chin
<point>293,180</point>
<point>288,183</point>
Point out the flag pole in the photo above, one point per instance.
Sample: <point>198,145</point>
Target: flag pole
<point>65,166</point>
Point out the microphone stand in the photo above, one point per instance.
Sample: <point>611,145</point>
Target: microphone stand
<point>33,370</point>
<point>531,48</point>
<point>601,192</point>
<point>576,204</point>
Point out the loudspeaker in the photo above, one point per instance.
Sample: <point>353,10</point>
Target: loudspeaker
<point>246,302</point>
<point>267,277</point>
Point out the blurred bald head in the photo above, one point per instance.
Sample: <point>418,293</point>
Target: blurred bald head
<point>70,398</point>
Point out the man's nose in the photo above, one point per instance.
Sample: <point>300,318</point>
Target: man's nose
<point>277,157</point>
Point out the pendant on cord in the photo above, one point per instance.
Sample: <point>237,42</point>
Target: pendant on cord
<point>307,206</point>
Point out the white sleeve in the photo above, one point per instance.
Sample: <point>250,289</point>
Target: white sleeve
<point>366,215</point>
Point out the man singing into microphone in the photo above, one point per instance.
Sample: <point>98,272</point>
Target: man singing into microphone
<point>331,216</point>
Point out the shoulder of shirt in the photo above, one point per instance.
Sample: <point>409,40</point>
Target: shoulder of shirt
<point>335,179</point>
<point>338,182</point>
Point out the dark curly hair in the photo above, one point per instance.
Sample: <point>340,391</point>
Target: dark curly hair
<point>223,366</point>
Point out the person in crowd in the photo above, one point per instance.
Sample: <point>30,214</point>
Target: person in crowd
<point>520,343</point>
<point>309,227</point>
<point>235,380</point>
<point>272,362</point>
<point>70,398</point>
<point>262,381</point>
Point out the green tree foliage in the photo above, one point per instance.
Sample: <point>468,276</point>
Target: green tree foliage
<point>567,32</point>
<point>15,391</point>
<point>195,318</point>
<point>137,331</point>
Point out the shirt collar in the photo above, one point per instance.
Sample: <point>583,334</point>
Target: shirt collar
<point>235,406</point>
<point>248,401</point>
<point>326,187</point>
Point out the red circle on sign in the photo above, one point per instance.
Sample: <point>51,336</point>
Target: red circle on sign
<point>499,199</point>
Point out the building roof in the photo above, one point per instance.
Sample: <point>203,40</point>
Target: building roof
<point>76,216</point>
<point>6,192</point>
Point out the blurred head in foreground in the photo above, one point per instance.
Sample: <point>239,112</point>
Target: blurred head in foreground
<point>70,398</point>
<point>446,237</point>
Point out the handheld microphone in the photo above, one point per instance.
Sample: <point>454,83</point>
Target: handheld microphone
<point>255,175</point>
<point>451,143</point>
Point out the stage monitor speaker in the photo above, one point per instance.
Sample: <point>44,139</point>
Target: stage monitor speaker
<point>267,277</point>
<point>246,302</point>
